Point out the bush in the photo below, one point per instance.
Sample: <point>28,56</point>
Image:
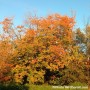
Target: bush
<point>13,87</point>
<point>78,84</point>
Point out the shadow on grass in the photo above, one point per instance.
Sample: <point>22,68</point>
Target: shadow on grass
<point>13,87</point>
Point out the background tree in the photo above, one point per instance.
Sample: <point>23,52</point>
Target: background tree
<point>88,52</point>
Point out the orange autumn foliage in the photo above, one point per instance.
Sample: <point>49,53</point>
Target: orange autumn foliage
<point>38,48</point>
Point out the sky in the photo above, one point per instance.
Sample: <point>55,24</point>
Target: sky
<point>20,9</point>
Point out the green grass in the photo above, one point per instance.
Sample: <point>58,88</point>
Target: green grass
<point>42,87</point>
<point>35,87</point>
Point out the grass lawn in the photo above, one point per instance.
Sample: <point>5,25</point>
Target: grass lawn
<point>39,87</point>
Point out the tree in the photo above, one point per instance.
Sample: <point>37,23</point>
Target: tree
<point>43,48</point>
<point>44,52</point>
<point>5,61</point>
<point>88,53</point>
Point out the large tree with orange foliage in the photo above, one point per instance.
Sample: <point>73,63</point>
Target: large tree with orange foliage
<point>42,50</point>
